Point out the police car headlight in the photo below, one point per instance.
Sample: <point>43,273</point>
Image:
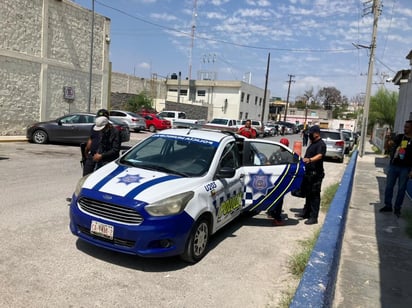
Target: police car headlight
<point>170,205</point>
<point>80,185</point>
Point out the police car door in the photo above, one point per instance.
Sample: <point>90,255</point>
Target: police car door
<point>270,171</point>
<point>227,191</point>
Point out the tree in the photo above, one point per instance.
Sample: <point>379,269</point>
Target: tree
<point>139,102</point>
<point>382,109</point>
<point>331,97</point>
<point>306,100</point>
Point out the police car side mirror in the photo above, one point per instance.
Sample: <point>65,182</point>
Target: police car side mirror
<point>225,172</point>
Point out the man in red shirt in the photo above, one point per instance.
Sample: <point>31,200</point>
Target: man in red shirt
<point>247,131</point>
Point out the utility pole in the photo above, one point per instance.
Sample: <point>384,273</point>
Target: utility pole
<point>192,35</point>
<point>376,8</point>
<point>287,97</point>
<point>266,88</point>
<point>91,61</point>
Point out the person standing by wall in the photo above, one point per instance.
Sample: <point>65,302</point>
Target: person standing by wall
<point>400,169</point>
<point>247,131</point>
<point>103,145</point>
<point>314,174</point>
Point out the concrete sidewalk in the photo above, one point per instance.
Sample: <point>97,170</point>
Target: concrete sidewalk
<point>375,268</point>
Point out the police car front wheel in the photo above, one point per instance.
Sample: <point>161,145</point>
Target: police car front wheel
<point>197,242</point>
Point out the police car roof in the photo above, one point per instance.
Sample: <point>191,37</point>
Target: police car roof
<point>212,135</point>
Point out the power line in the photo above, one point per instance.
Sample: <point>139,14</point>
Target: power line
<point>206,38</point>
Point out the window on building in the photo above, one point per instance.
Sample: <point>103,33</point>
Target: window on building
<point>240,115</point>
<point>247,98</point>
<point>201,92</point>
<point>246,115</point>
<point>242,97</point>
<point>183,92</point>
<point>172,90</point>
<point>260,101</point>
<point>256,99</point>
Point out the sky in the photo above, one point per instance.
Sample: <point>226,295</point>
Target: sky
<point>310,42</point>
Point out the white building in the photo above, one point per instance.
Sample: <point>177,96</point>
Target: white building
<point>226,99</point>
<point>403,79</point>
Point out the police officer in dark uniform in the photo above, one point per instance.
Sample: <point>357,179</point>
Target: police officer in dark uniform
<point>314,174</point>
<point>103,145</point>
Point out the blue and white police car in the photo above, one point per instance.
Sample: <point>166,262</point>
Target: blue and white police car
<point>169,193</point>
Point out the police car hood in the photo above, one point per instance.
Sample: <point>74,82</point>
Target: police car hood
<point>136,183</point>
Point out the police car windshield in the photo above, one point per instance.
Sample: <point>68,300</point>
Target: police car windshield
<point>172,154</point>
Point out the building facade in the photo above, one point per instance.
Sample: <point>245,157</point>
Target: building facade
<point>45,48</point>
<point>403,79</point>
<point>224,99</point>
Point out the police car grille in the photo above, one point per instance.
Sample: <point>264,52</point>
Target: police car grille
<point>110,211</point>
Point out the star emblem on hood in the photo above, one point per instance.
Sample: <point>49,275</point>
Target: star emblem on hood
<point>130,179</point>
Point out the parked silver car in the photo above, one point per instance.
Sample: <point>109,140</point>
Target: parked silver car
<point>349,140</point>
<point>335,144</point>
<point>133,120</point>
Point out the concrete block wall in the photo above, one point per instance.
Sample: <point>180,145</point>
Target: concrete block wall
<point>44,46</point>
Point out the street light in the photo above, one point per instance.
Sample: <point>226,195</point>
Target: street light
<point>91,61</point>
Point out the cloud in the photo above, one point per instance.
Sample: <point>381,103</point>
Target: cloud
<point>144,65</point>
<point>219,2</point>
<point>215,15</point>
<point>253,13</point>
<point>258,2</point>
<point>163,17</point>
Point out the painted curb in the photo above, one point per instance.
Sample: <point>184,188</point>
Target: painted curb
<point>317,286</point>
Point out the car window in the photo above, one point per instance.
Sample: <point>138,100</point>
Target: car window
<point>219,121</point>
<point>269,154</point>
<point>116,114</point>
<point>330,135</point>
<point>183,156</point>
<point>70,119</point>
<point>90,118</point>
<point>134,115</point>
<point>230,157</point>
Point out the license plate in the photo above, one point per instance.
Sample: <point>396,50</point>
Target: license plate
<point>101,229</point>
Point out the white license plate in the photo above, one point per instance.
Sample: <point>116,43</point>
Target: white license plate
<point>102,229</point>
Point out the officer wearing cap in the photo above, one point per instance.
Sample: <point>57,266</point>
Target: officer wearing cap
<point>103,145</point>
<point>314,174</point>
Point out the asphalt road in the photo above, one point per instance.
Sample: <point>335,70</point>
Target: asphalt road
<point>43,265</point>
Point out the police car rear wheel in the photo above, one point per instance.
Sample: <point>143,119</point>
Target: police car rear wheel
<point>197,242</point>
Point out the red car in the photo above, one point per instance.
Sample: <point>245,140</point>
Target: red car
<point>154,122</point>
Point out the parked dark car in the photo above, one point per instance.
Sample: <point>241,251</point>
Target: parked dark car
<point>123,129</point>
<point>73,128</point>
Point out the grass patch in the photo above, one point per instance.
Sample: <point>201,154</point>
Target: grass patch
<point>299,260</point>
<point>327,196</point>
<point>286,299</point>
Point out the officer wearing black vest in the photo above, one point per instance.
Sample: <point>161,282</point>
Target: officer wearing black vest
<point>103,145</point>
